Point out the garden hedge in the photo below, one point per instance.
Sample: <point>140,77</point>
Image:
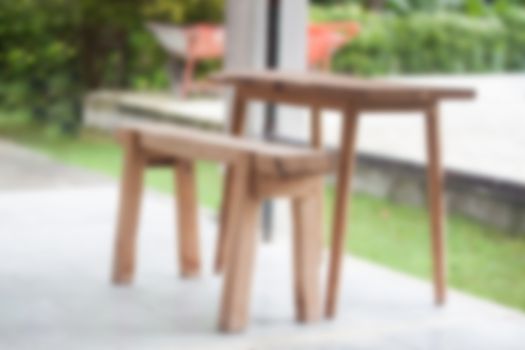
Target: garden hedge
<point>441,42</point>
<point>53,51</point>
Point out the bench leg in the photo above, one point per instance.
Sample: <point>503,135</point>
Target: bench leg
<point>129,208</point>
<point>187,208</point>
<point>227,210</point>
<point>307,246</point>
<point>241,251</point>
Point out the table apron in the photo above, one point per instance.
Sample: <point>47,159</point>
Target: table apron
<point>308,98</point>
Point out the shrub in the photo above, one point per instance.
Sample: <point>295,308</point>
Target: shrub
<point>448,43</point>
<point>51,51</point>
<point>514,21</point>
<point>38,59</point>
<point>426,42</point>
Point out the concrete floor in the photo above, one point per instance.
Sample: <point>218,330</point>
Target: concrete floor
<point>55,253</point>
<point>22,169</point>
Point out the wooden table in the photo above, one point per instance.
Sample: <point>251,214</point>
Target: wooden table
<point>352,96</point>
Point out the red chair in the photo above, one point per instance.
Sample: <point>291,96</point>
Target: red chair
<point>205,41</point>
<point>324,39</point>
<point>190,44</point>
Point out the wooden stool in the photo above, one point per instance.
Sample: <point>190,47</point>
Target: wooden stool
<point>258,171</point>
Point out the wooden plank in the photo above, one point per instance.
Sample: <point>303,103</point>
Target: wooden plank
<point>182,144</point>
<point>212,142</point>
<point>187,218</point>
<point>297,186</point>
<point>338,85</point>
<point>311,162</point>
<point>295,97</point>
<point>270,159</point>
<point>131,188</point>
<point>241,251</point>
<point>435,180</point>
<point>306,96</point>
<point>344,185</point>
<point>160,162</point>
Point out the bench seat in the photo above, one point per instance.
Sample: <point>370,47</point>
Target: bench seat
<point>268,159</point>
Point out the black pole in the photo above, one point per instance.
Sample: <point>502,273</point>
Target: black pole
<point>272,51</point>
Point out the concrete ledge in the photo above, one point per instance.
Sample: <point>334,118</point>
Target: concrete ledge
<point>494,202</point>
<point>103,109</point>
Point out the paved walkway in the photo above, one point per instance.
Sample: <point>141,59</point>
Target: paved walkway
<point>21,168</point>
<point>55,254</point>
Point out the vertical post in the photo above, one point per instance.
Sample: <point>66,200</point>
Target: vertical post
<point>272,51</point>
<point>247,48</point>
<point>344,185</point>
<point>435,180</point>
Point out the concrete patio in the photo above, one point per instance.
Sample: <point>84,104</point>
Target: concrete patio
<point>55,254</point>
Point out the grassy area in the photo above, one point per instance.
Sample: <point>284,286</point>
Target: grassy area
<point>482,261</point>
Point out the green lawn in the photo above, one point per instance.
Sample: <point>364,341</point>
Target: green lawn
<point>482,261</point>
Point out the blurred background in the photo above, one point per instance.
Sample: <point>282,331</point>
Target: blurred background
<point>69,70</point>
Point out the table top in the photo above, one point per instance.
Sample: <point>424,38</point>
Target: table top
<point>333,89</point>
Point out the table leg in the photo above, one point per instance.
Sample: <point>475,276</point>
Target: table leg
<point>343,187</point>
<point>237,128</point>
<point>316,128</point>
<point>435,179</point>
<point>187,217</point>
<point>131,188</point>
<point>241,242</point>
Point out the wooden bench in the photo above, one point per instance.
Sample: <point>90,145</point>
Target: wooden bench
<point>258,170</point>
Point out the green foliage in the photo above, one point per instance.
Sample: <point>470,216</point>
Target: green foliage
<point>52,51</point>
<point>185,11</point>
<point>38,58</point>
<point>429,42</point>
<point>514,20</point>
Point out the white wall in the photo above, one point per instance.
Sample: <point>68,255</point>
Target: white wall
<point>246,49</point>
<point>292,122</point>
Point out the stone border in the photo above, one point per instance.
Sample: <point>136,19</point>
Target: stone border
<point>494,202</point>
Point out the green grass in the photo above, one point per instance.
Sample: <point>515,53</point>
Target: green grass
<point>99,152</point>
<point>482,261</point>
